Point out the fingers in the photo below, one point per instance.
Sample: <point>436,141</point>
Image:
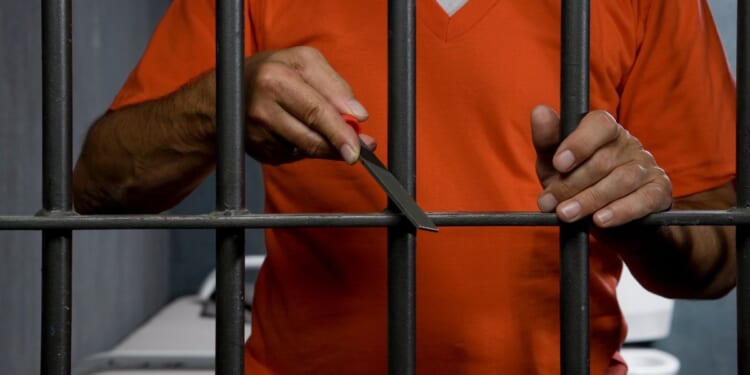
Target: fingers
<point>545,130</point>
<point>594,132</point>
<point>368,141</point>
<point>609,161</point>
<point>652,197</point>
<point>307,106</point>
<point>315,70</point>
<point>283,100</point>
<point>545,134</point>
<point>597,129</point>
<point>629,192</point>
<point>599,169</point>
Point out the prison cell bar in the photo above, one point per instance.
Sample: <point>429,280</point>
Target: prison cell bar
<point>743,186</point>
<point>230,185</point>
<point>325,220</point>
<point>574,238</point>
<point>56,170</point>
<point>402,325</point>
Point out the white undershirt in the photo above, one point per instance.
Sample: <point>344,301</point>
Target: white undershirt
<point>452,6</point>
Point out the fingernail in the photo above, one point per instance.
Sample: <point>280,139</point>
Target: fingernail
<point>357,109</point>
<point>349,155</point>
<point>564,160</point>
<point>604,216</point>
<point>547,202</point>
<point>570,210</point>
<point>372,145</point>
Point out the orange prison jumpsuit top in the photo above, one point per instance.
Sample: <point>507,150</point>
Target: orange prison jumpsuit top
<point>487,298</point>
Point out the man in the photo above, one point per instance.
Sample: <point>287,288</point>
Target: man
<point>488,297</point>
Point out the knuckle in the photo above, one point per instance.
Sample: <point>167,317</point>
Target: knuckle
<point>665,182</point>
<point>256,136</point>
<point>313,148</point>
<point>648,157</point>
<point>606,119</point>
<point>633,142</point>
<point>631,175</point>
<point>270,77</point>
<point>312,114</point>
<point>593,199</point>
<point>637,142</point>
<point>549,179</point>
<point>600,163</point>
<point>258,139</point>
<point>603,116</point>
<point>253,138</point>
<point>257,113</point>
<point>663,188</point>
<point>565,189</point>
<point>303,56</point>
<point>635,210</point>
<point>652,196</point>
<point>656,197</point>
<point>307,52</point>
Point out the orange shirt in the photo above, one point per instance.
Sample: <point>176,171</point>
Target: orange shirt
<point>487,297</point>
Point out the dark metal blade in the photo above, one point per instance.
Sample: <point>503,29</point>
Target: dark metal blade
<point>395,190</point>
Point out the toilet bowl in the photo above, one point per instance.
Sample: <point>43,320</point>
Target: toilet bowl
<point>649,319</point>
<point>643,361</point>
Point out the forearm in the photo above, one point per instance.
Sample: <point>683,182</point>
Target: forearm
<point>683,261</point>
<point>147,157</point>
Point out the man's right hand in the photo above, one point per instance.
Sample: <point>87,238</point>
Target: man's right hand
<point>147,157</point>
<point>294,104</point>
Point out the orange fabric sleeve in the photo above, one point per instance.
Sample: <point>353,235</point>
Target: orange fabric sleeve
<point>181,49</point>
<point>679,99</point>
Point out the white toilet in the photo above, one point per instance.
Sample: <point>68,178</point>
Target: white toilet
<point>649,318</point>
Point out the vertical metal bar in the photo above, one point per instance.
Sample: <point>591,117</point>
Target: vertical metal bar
<point>230,181</point>
<point>402,162</point>
<point>574,245</point>
<point>56,170</point>
<point>743,185</point>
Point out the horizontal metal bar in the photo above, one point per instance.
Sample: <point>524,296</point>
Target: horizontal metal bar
<point>247,220</point>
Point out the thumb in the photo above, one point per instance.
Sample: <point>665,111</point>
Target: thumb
<point>545,134</point>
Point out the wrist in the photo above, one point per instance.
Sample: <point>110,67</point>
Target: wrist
<point>196,103</point>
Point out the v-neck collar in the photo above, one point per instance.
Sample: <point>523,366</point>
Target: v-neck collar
<point>449,27</point>
<point>451,6</point>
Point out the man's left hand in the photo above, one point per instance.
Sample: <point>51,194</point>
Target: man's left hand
<point>600,169</point>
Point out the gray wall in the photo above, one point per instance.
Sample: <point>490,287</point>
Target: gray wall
<point>120,278</point>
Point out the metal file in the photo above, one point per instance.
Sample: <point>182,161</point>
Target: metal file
<point>390,184</point>
<point>395,191</point>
